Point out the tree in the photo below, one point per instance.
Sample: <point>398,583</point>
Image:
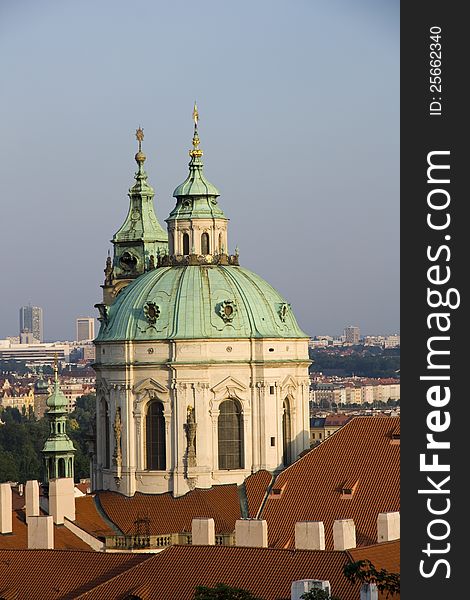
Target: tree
<point>222,592</point>
<point>81,421</point>
<point>365,572</point>
<point>8,468</point>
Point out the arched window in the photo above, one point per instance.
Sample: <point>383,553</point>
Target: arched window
<point>107,450</point>
<point>286,439</point>
<point>220,243</point>
<point>155,437</point>
<point>185,244</point>
<point>205,243</point>
<point>230,435</point>
<point>61,467</point>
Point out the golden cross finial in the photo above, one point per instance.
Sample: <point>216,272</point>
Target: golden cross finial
<point>139,134</point>
<point>56,368</point>
<point>196,151</point>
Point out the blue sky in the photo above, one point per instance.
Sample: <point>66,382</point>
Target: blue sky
<point>299,123</point>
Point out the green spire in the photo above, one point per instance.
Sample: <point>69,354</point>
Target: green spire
<point>58,449</point>
<point>141,224</point>
<point>196,188</point>
<point>57,402</point>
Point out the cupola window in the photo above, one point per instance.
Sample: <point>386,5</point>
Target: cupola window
<point>205,243</point>
<point>185,244</point>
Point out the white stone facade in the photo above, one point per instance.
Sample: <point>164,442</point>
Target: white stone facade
<point>266,377</point>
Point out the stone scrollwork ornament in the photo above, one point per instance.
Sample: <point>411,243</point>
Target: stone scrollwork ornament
<point>191,427</point>
<point>283,311</point>
<point>227,310</point>
<point>151,312</point>
<point>117,456</point>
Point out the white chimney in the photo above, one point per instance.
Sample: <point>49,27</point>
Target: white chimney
<point>309,535</point>
<point>6,521</point>
<point>344,534</point>
<point>298,588</point>
<point>369,591</point>
<point>388,527</point>
<point>62,500</point>
<point>251,532</point>
<point>32,499</point>
<point>40,533</point>
<point>203,531</point>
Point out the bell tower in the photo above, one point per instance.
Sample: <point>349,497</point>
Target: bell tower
<point>58,450</point>
<point>140,239</point>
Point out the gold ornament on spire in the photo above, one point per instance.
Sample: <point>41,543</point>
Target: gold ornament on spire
<point>140,156</point>
<point>196,152</point>
<point>56,367</point>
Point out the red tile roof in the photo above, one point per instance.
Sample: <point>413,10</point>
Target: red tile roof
<point>266,572</point>
<point>174,515</point>
<point>88,518</point>
<point>256,486</point>
<point>59,575</point>
<point>64,539</point>
<point>361,450</point>
<point>336,420</point>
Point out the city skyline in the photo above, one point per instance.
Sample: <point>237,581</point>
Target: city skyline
<point>330,116</point>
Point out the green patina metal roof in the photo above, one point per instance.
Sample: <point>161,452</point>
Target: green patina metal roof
<point>141,223</point>
<point>199,302</point>
<point>58,442</point>
<point>196,196</point>
<point>57,402</point>
<point>196,183</point>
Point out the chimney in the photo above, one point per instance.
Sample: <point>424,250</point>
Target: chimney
<point>40,533</point>
<point>369,591</point>
<point>6,520</point>
<point>203,531</point>
<point>309,535</point>
<point>251,532</point>
<point>344,534</point>
<point>32,499</point>
<point>62,500</point>
<point>388,527</point>
<point>299,588</point>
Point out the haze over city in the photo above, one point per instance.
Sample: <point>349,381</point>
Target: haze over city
<point>299,123</point>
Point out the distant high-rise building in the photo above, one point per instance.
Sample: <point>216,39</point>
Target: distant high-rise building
<point>31,321</point>
<point>352,335</point>
<point>85,329</point>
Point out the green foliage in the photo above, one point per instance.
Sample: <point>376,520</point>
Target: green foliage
<point>8,467</point>
<point>21,442</point>
<point>80,422</point>
<point>361,361</point>
<point>22,438</point>
<point>222,592</point>
<point>365,572</point>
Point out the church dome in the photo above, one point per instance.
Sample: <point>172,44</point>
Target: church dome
<point>198,302</point>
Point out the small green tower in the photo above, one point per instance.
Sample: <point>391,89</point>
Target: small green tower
<point>58,449</point>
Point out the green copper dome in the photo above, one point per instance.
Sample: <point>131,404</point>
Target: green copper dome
<point>198,302</point>
<point>57,402</point>
<point>196,183</point>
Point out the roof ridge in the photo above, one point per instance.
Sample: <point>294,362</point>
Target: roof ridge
<point>104,515</point>
<point>93,590</point>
